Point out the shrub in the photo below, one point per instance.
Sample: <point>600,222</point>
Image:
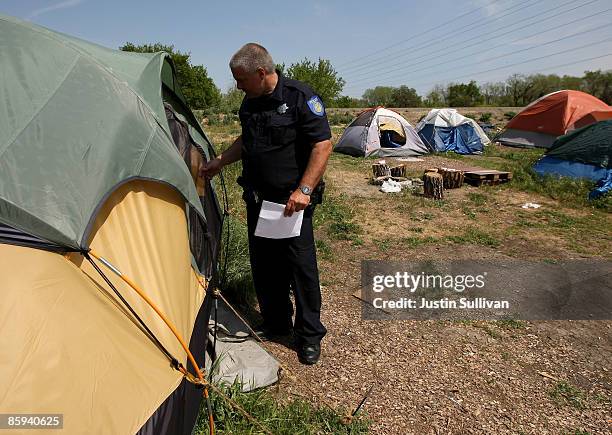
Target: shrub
<point>485,117</point>
<point>509,115</point>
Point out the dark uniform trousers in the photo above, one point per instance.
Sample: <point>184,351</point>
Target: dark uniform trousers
<point>279,265</point>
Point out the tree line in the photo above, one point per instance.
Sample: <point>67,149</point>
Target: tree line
<point>517,90</point>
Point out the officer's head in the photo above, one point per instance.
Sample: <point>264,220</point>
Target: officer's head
<point>253,69</point>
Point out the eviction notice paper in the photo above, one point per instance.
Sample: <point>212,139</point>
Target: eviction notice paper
<point>272,224</point>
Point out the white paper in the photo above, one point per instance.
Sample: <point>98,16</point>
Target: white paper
<point>273,224</point>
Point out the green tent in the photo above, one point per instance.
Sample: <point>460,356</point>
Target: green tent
<point>77,120</point>
<point>100,153</point>
<point>591,145</point>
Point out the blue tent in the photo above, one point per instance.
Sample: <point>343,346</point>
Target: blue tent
<point>445,130</point>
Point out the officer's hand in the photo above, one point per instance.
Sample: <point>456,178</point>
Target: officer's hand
<point>211,168</point>
<point>297,201</point>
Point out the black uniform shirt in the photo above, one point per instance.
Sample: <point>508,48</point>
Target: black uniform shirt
<point>278,131</point>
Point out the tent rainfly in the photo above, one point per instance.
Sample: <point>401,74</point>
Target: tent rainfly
<point>553,115</point>
<point>447,130</point>
<point>99,153</point>
<point>380,132</point>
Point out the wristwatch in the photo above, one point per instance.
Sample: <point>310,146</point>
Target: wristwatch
<point>305,190</point>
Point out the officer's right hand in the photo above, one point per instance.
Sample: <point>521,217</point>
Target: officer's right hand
<point>211,168</point>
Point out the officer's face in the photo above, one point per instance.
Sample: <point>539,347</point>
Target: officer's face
<point>252,84</point>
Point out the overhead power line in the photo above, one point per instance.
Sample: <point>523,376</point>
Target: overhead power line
<point>417,35</point>
<point>527,61</point>
<point>428,56</point>
<point>456,31</point>
<point>533,46</point>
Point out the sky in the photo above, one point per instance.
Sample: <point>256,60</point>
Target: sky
<point>419,43</point>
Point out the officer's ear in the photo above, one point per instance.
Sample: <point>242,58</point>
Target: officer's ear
<point>261,73</point>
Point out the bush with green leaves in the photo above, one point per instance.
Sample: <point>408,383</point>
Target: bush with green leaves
<point>485,117</point>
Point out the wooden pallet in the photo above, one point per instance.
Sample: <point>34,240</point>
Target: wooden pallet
<point>491,177</point>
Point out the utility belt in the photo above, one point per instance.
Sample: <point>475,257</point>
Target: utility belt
<point>251,195</point>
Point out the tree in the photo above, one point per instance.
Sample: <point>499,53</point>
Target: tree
<point>347,102</point>
<point>464,95</point>
<point>437,96</point>
<point>379,96</point>
<point>493,93</point>
<point>405,97</point>
<point>199,90</point>
<point>599,84</point>
<point>321,77</point>
<point>231,100</point>
<point>517,88</point>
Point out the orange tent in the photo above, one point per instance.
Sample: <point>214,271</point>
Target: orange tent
<point>592,118</point>
<point>553,115</point>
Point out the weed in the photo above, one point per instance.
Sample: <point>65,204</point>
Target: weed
<point>238,283</point>
<point>469,213</point>
<point>293,416</point>
<point>490,331</point>
<point>343,230</point>
<point>323,249</point>
<point>509,115</point>
<point>564,393</point>
<point>384,244</point>
<point>475,237</point>
<point>511,324</point>
<point>477,198</point>
<point>557,219</point>
<point>485,117</point>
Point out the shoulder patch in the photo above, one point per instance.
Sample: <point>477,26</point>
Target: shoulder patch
<point>316,106</point>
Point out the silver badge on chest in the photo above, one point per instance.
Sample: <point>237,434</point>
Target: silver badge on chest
<point>282,108</point>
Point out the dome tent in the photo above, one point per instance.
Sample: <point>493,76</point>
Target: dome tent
<point>447,130</point>
<point>380,132</point>
<point>584,153</point>
<point>553,115</point>
<point>89,161</point>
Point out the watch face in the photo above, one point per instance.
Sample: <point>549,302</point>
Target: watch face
<point>305,190</point>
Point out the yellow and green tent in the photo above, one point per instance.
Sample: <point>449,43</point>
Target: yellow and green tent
<point>99,153</point>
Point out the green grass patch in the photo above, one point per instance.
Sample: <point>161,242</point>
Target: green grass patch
<point>415,242</point>
<point>563,393</point>
<point>469,213</point>
<point>238,285</point>
<point>337,217</point>
<point>284,417</point>
<point>478,198</point>
<point>475,237</point>
<point>557,219</point>
<point>383,244</point>
<point>324,250</point>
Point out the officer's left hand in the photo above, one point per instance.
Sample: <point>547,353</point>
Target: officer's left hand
<point>297,201</point>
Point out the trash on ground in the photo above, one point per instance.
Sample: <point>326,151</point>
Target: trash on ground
<point>391,186</point>
<point>409,159</point>
<point>530,205</point>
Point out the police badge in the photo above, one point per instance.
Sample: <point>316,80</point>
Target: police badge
<point>282,108</point>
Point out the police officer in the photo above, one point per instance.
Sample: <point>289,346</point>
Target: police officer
<point>284,147</point>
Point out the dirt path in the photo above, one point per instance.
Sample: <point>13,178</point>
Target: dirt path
<point>434,377</point>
